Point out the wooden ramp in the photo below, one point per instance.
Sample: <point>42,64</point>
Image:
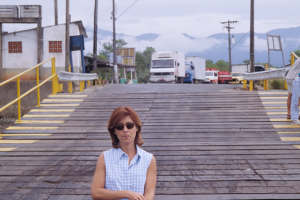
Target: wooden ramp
<point>225,144</point>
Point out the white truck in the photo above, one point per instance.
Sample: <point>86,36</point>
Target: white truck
<point>167,67</point>
<point>195,69</point>
<point>241,68</point>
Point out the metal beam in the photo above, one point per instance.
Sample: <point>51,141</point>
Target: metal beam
<point>1,54</point>
<point>19,20</point>
<point>67,38</point>
<point>252,37</point>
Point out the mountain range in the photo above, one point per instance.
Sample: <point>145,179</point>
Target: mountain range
<point>219,49</point>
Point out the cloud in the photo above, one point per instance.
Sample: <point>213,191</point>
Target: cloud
<point>175,42</point>
<point>260,45</point>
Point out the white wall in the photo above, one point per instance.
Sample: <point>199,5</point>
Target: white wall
<point>57,33</point>
<point>28,57</point>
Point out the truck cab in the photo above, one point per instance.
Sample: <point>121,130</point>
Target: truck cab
<point>167,67</point>
<point>211,77</point>
<point>189,73</point>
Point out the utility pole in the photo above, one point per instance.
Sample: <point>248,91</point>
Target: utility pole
<point>55,13</point>
<point>229,39</point>
<point>95,37</point>
<point>116,79</point>
<point>252,37</point>
<point>67,42</point>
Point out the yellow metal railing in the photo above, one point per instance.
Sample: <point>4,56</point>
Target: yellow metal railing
<point>55,85</point>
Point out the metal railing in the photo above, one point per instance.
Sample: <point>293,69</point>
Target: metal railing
<point>293,57</point>
<point>55,85</point>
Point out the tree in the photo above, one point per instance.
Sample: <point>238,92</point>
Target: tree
<point>143,62</point>
<point>209,64</point>
<point>246,62</point>
<point>297,52</point>
<point>221,65</point>
<point>148,54</point>
<point>107,48</point>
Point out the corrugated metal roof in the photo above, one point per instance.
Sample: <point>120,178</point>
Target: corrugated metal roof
<point>79,23</point>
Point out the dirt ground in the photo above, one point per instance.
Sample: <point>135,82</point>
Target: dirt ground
<point>6,122</point>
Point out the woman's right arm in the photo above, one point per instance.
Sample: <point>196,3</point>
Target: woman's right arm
<point>98,191</point>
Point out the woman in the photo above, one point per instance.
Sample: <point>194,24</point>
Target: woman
<point>125,171</point>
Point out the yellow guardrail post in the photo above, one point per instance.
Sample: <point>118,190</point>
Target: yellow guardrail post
<point>19,100</point>
<point>81,86</point>
<point>38,87</point>
<point>245,84</point>
<point>89,83</point>
<point>70,86</point>
<point>266,82</point>
<point>250,85</point>
<point>54,90</point>
<point>292,59</point>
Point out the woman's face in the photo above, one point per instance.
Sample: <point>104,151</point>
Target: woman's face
<point>126,136</point>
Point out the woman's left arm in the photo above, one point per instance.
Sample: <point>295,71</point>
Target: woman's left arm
<point>151,180</point>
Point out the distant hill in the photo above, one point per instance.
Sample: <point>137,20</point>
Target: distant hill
<point>240,50</point>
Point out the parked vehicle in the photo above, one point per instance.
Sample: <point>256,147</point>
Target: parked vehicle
<point>237,77</point>
<point>246,68</point>
<point>220,77</point>
<point>240,68</point>
<point>167,67</point>
<point>194,69</point>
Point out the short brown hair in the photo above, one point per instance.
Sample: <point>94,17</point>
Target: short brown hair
<point>117,115</point>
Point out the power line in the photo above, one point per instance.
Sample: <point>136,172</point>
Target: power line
<point>240,40</point>
<point>127,9</point>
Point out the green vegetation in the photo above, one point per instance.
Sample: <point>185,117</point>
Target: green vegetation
<point>143,61</point>
<point>221,65</point>
<point>277,84</point>
<point>297,52</point>
<point>246,62</point>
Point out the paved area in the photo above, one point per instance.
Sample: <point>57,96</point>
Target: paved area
<point>210,142</point>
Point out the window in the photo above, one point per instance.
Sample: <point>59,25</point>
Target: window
<point>55,46</point>
<point>14,47</point>
<point>163,63</point>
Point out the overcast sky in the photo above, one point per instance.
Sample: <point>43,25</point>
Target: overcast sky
<point>198,18</point>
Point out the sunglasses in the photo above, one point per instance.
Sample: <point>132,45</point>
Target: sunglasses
<point>129,125</point>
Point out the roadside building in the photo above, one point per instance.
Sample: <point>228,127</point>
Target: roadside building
<point>19,50</point>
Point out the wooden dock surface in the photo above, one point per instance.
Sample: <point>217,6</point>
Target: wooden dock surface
<point>210,142</point>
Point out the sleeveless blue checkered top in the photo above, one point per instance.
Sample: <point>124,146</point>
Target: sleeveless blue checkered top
<point>120,175</point>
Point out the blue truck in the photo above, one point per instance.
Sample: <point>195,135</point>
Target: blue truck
<point>189,73</point>
<point>194,69</point>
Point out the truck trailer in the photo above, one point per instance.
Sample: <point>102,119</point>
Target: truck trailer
<point>167,67</point>
<point>213,75</point>
<point>194,69</point>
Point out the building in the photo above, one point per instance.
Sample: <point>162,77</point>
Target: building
<point>19,50</point>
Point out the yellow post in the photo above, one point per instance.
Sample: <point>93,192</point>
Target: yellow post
<point>251,86</point>
<point>70,87</point>
<point>38,87</point>
<point>266,82</point>
<point>89,83</point>
<point>19,101</point>
<point>292,60</point>
<point>54,90</point>
<point>82,83</point>
<point>245,84</point>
